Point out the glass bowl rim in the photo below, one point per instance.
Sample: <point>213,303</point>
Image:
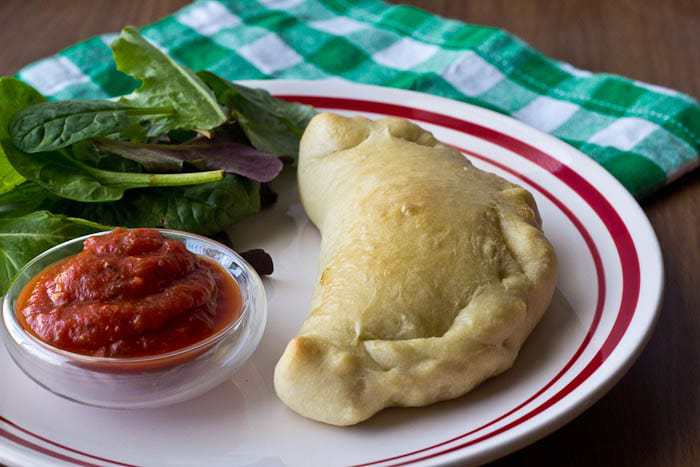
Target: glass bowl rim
<point>74,357</point>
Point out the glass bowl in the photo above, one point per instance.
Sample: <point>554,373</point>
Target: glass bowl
<point>140,382</point>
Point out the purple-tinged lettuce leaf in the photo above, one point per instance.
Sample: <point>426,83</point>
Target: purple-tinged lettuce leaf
<point>219,153</point>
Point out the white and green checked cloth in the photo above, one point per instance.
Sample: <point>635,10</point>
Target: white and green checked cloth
<point>645,135</point>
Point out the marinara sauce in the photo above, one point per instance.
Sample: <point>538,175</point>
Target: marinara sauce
<point>129,293</point>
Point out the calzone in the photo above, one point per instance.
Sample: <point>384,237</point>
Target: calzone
<point>432,272</point>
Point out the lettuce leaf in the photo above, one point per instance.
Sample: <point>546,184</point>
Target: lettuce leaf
<point>69,178</point>
<point>165,83</point>
<point>14,96</point>
<point>204,209</point>
<point>25,198</point>
<point>219,152</point>
<point>24,237</point>
<point>272,125</point>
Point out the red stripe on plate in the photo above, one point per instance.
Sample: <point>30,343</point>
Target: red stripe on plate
<point>41,449</point>
<point>46,440</point>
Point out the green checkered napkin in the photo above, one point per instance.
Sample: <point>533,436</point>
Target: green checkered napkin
<point>645,135</point>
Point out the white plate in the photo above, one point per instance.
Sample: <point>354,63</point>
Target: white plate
<point>604,309</point>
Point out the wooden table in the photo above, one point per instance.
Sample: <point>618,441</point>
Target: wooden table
<point>652,417</point>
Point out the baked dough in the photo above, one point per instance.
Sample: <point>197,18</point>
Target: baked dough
<point>433,272</point>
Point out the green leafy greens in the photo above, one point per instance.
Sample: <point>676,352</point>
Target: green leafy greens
<point>183,151</point>
<point>55,125</point>
<point>203,209</point>
<point>272,125</point>
<point>25,198</point>
<point>14,96</point>
<point>68,178</point>
<point>165,84</point>
<point>23,238</point>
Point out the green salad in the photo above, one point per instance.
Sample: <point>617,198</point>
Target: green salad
<point>185,150</point>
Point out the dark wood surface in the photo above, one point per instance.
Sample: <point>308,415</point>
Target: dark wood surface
<point>652,417</point>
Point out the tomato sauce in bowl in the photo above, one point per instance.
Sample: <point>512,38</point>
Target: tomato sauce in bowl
<point>134,318</point>
<point>129,294</point>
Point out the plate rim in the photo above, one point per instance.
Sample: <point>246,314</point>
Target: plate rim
<point>508,126</point>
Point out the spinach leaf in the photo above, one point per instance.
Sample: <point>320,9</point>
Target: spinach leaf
<point>165,83</point>
<point>272,125</point>
<point>25,198</point>
<point>9,177</point>
<point>22,238</point>
<point>69,178</point>
<point>204,209</point>
<point>205,154</point>
<point>14,96</point>
<point>53,125</point>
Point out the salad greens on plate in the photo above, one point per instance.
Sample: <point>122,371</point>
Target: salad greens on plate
<point>185,150</point>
